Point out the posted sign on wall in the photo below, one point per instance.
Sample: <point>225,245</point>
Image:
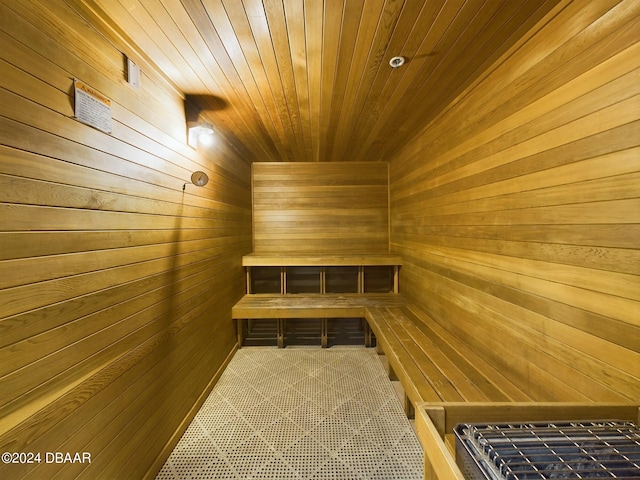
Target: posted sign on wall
<point>92,108</point>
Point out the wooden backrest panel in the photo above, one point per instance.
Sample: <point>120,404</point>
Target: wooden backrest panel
<point>116,286</point>
<point>328,208</point>
<point>517,211</point>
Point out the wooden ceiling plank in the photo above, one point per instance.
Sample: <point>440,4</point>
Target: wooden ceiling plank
<point>422,98</point>
<point>350,68</point>
<point>261,143</point>
<point>490,32</point>
<point>465,72</point>
<point>225,49</point>
<point>352,107</point>
<point>247,41</point>
<point>227,119</point>
<point>313,19</point>
<point>276,20</point>
<point>423,101</point>
<point>102,25</point>
<point>295,19</point>
<point>256,16</point>
<point>178,26</point>
<point>415,21</point>
<point>196,84</point>
<point>409,95</point>
<point>332,40</point>
<point>437,38</point>
<point>247,74</point>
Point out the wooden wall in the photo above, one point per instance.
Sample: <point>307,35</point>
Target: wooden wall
<point>320,207</point>
<point>517,210</point>
<point>115,286</point>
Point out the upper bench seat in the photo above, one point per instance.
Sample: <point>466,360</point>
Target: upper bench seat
<point>319,260</point>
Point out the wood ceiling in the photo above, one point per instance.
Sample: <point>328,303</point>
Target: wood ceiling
<point>309,80</point>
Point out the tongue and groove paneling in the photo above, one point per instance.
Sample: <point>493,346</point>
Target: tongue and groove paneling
<point>116,286</point>
<point>517,211</point>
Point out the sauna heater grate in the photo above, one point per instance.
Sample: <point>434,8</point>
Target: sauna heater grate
<point>595,449</point>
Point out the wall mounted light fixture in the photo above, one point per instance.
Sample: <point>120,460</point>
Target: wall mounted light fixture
<point>199,134</point>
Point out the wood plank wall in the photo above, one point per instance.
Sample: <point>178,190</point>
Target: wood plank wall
<point>320,207</point>
<point>517,210</point>
<point>115,286</point>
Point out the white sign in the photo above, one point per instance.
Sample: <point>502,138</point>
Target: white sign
<point>92,108</point>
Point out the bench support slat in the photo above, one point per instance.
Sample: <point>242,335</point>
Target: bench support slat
<point>240,331</point>
<point>324,333</point>
<point>281,327</point>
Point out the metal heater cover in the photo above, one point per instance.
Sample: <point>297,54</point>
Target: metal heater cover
<point>603,449</point>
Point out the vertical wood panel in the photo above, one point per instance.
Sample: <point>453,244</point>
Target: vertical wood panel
<point>517,210</point>
<point>117,285</point>
<point>320,207</point>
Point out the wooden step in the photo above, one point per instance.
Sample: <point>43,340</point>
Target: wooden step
<point>312,305</point>
<point>309,306</point>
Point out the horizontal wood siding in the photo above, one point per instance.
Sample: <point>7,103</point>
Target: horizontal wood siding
<point>116,286</point>
<point>517,211</point>
<point>328,208</point>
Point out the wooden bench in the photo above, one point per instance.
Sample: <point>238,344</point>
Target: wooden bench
<point>431,364</point>
<point>446,383</point>
<point>323,261</point>
<point>319,306</point>
<point>280,304</point>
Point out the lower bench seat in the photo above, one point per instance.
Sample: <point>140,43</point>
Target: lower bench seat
<point>262,305</point>
<point>430,364</point>
<point>446,382</point>
<point>319,306</point>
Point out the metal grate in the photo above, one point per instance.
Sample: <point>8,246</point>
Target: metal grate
<point>600,449</point>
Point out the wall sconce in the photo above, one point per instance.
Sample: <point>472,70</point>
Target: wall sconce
<point>199,134</point>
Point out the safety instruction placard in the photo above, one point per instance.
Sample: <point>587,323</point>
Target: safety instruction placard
<point>92,108</point>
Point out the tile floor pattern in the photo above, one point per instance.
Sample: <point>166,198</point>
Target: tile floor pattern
<point>299,413</point>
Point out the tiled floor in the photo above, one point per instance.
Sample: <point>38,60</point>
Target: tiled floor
<point>299,413</point>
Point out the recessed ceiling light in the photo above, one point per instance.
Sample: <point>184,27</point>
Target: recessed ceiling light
<point>396,62</point>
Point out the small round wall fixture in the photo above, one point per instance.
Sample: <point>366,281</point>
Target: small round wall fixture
<point>199,179</point>
<point>396,62</point>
